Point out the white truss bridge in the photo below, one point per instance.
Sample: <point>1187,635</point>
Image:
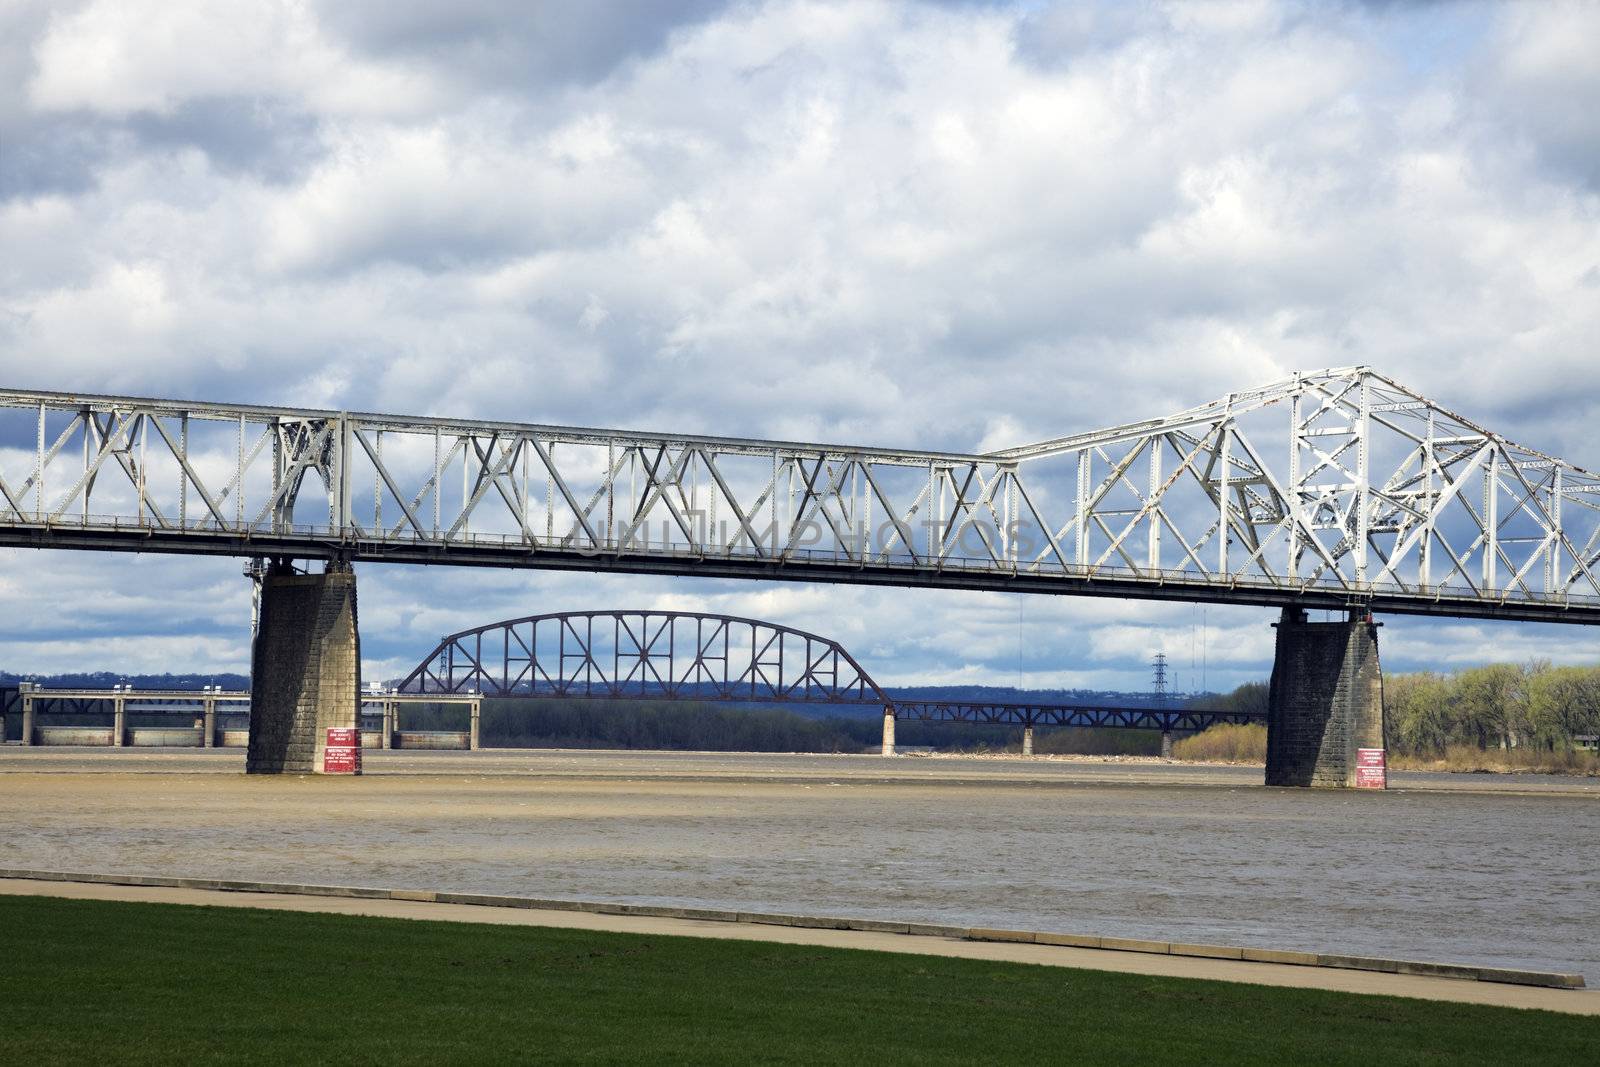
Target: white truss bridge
<point>1333,489</point>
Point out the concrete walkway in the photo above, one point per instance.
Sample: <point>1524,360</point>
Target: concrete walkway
<point>1579,1002</point>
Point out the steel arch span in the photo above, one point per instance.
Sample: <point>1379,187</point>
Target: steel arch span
<point>663,655</point>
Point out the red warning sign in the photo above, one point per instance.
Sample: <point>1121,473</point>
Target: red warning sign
<point>342,754</point>
<point>1372,771</point>
<point>341,760</point>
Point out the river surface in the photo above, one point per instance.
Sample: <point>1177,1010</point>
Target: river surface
<point>1497,870</point>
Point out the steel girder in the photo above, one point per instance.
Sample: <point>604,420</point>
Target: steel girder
<point>1333,489</point>
<point>1164,719</point>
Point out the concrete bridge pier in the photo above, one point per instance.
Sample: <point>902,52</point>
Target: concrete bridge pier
<point>119,722</point>
<point>472,733</point>
<point>208,728</point>
<point>1027,740</point>
<point>27,713</point>
<point>304,669</point>
<point>1325,720</point>
<point>888,731</point>
<point>1166,744</point>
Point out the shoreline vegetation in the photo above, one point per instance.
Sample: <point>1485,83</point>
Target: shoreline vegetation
<point>1247,746</point>
<point>1498,719</point>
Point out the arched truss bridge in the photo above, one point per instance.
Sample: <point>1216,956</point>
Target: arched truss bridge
<point>682,655</point>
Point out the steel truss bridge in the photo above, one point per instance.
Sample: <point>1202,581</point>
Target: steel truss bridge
<point>677,655</point>
<point>1334,489</point>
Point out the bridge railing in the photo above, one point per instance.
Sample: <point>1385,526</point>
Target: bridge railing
<point>323,538</point>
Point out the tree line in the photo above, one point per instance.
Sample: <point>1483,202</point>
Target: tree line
<point>704,726</point>
<point>1501,705</point>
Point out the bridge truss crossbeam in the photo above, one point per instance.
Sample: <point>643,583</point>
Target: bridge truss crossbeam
<point>1332,489</point>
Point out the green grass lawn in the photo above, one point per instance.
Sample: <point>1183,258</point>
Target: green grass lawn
<point>90,981</point>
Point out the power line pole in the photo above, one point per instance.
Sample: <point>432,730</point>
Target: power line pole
<point>1158,690</point>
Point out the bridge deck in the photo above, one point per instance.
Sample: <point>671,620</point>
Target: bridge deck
<point>1370,496</point>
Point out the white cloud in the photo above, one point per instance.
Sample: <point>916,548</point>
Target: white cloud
<point>947,226</point>
<point>116,58</point>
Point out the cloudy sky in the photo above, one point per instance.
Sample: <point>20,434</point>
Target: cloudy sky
<point>927,225</point>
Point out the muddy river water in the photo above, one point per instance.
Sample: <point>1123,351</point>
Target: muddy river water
<point>1475,869</point>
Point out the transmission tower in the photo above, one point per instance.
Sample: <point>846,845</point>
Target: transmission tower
<point>1158,685</point>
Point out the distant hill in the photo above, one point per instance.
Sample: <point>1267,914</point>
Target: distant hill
<point>1000,694</point>
<point>1006,694</point>
<point>107,679</point>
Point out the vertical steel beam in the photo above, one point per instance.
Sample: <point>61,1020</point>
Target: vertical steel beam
<point>1491,516</point>
<point>183,471</point>
<point>1152,505</point>
<point>1081,509</point>
<point>1296,500</point>
<point>1363,489</point>
<point>1430,463</point>
<point>1552,559</point>
<point>1225,461</point>
<point>38,470</point>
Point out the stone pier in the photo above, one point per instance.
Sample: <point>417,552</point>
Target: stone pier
<point>1326,700</point>
<point>1027,740</point>
<point>888,731</point>
<point>305,667</point>
<point>1166,744</point>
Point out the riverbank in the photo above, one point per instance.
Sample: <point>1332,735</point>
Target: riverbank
<point>1245,745</point>
<point>1428,979</point>
<point>164,983</point>
<point>1464,759</point>
<point>1494,761</point>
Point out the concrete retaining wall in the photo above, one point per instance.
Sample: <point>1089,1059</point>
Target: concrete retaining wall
<point>449,739</point>
<point>165,736</point>
<point>1549,979</point>
<point>73,735</point>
